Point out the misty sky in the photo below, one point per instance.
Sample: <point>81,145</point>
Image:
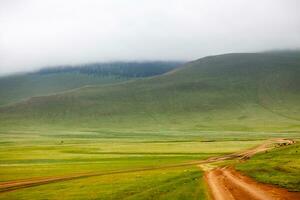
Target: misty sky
<point>36,33</point>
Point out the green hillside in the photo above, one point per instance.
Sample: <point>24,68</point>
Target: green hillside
<point>52,80</point>
<point>18,87</point>
<point>242,92</point>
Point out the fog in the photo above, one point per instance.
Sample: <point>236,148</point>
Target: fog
<point>37,33</point>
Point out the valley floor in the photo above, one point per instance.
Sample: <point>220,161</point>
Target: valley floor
<point>117,165</point>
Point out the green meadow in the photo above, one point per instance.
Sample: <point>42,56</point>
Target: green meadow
<point>210,107</point>
<point>279,167</point>
<point>60,153</point>
<point>24,155</point>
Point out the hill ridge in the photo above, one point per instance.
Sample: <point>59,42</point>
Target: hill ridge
<point>228,92</point>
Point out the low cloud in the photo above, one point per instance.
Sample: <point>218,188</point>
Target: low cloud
<point>37,33</point>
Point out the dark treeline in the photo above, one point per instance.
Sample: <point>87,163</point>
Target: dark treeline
<point>119,69</point>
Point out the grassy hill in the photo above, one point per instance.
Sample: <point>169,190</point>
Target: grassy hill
<point>210,107</point>
<point>19,87</point>
<point>241,92</point>
<point>52,80</point>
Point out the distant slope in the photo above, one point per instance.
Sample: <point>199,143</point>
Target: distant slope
<point>52,80</point>
<point>241,92</point>
<point>19,87</point>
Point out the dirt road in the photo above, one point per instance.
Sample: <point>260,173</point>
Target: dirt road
<point>227,184</point>
<point>25,183</point>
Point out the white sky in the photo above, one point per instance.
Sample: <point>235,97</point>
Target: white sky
<point>36,33</point>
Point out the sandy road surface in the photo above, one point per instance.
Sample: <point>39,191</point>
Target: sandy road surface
<point>227,184</point>
<point>24,183</point>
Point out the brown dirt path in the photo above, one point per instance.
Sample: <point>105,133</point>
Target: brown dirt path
<point>25,183</point>
<point>228,184</point>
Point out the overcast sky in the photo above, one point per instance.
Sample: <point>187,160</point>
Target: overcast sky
<point>36,33</point>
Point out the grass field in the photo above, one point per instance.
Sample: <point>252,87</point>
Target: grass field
<point>279,166</point>
<point>160,184</point>
<point>54,154</point>
<point>59,153</point>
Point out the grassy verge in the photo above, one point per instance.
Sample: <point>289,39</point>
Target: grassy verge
<point>279,167</point>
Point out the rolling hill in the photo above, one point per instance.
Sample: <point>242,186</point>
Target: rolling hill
<point>234,92</point>
<point>61,78</point>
